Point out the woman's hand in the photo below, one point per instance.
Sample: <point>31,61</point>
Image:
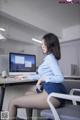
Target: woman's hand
<point>38,86</point>
<point>38,89</point>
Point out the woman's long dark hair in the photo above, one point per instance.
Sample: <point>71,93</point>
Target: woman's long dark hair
<point>52,43</point>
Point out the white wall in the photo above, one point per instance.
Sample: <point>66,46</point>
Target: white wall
<point>69,50</point>
<point>18,38</point>
<point>13,46</point>
<point>4,63</point>
<point>71,33</point>
<point>70,55</point>
<point>78,52</point>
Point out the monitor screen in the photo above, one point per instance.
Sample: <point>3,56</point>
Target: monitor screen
<point>21,63</point>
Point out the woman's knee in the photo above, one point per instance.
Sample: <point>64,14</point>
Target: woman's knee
<point>13,102</point>
<point>55,102</point>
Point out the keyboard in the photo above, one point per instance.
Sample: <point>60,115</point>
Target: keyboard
<point>30,77</point>
<point>33,77</point>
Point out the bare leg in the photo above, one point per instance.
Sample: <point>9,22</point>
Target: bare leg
<point>29,111</point>
<point>12,112</point>
<point>37,101</point>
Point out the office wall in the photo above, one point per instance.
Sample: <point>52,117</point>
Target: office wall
<point>71,33</point>
<point>19,38</point>
<point>78,52</point>
<point>70,55</point>
<point>16,46</point>
<point>69,51</point>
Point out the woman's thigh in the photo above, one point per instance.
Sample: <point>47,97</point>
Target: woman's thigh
<point>32,100</point>
<point>38,101</point>
<point>30,93</point>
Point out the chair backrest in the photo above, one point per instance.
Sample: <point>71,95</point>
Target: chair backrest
<point>69,84</point>
<point>66,112</point>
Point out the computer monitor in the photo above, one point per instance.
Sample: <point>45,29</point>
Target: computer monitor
<point>20,63</point>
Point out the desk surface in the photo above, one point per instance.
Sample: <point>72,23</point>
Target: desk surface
<point>72,77</point>
<point>9,80</point>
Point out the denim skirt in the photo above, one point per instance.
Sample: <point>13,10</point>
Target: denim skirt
<point>50,87</point>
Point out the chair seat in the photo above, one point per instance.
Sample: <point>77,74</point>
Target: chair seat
<point>66,113</point>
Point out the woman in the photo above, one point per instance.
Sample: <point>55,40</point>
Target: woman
<point>50,80</point>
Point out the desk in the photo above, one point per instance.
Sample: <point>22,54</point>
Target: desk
<point>72,77</point>
<point>11,82</point>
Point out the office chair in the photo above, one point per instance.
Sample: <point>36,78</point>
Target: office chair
<point>67,112</point>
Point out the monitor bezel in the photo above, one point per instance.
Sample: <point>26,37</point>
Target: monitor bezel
<point>22,72</point>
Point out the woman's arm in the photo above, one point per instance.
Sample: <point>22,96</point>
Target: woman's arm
<point>39,82</point>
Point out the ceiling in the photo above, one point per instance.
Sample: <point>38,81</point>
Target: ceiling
<point>37,17</point>
<point>18,31</point>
